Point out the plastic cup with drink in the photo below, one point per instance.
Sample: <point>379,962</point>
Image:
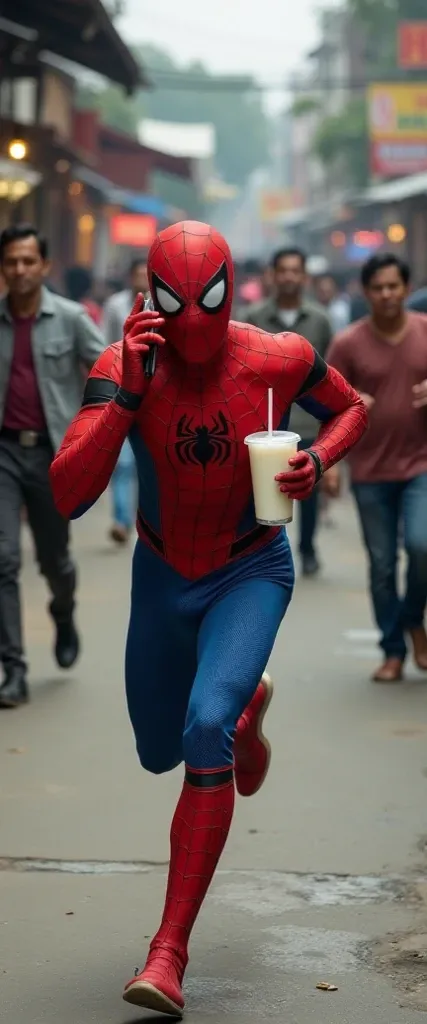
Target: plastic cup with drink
<point>269,454</point>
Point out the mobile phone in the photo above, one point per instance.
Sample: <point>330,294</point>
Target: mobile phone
<point>150,358</point>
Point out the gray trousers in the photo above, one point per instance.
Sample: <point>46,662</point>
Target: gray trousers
<point>24,481</point>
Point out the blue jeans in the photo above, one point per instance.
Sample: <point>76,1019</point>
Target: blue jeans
<point>123,488</point>
<point>389,511</point>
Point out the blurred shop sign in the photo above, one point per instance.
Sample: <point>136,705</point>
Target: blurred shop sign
<point>398,128</point>
<point>133,229</point>
<point>412,45</point>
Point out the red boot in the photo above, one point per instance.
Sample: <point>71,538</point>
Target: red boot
<point>252,751</point>
<point>199,831</point>
<point>158,986</point>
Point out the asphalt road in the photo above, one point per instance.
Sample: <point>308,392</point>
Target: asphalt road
<point>324,877</point>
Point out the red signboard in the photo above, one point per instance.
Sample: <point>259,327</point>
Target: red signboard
<point>412,44</point>
<point>134,229</point>
<point>394,157</point>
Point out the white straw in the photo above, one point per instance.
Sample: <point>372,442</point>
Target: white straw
<point>270,411</point>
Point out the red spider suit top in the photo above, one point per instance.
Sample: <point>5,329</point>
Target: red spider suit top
<point>208,392</point>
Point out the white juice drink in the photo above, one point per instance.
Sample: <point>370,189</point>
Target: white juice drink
<point>269,455</point>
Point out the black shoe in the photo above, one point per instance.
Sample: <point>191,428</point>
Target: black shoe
<point>67,644</point>
<point>14,690</point>
<point>310,565</point>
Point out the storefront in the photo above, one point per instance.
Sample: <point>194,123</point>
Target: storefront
<point>37,152</point>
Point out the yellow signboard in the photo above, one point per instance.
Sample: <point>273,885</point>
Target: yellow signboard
<point>397,112</point>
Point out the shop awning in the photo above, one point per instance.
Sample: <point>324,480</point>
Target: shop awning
<point>80,31</point>
<point>395,191</point>
<point>135,202</point>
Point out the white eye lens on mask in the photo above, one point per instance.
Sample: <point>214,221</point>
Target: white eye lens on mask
<point>167,302</point>
<point>215,296</point>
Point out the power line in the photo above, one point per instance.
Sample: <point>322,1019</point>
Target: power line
<point>187,81</point>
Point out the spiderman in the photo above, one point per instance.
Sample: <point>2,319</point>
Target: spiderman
<point>210,586</point>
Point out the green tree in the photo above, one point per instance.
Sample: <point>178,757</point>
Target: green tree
<point>114,107</point>
<point>304,105</point>
<point>195,96</point>
<point>378,12</point>
<point>379,20</point>
<point>343,141</point>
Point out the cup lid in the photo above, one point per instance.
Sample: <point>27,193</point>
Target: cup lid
<point>278,437</point>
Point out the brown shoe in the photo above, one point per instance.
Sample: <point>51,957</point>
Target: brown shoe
<point>119,534</point>
<point>391,671</point>
<point>419,644</point>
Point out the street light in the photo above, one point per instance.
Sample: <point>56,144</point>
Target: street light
<point>338,239</point>
<point>17,149</point>
<point>86,223</point>
<point>396,233</point>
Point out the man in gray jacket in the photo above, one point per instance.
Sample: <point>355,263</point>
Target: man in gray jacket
<point>288,310</point>
<point>44,341</point>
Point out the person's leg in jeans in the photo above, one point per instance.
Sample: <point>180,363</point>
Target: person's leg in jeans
<point>308,517</point>
<point>123,495</point>
<point>51,539</point>
<point>379,507</point>
<point>14,689</point>
<point>414,511</point>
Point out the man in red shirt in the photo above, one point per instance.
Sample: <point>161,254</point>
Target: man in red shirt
<point>384,356</point>
<point>44,342</point>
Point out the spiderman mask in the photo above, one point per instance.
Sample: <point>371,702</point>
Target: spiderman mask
<point>191,281</point>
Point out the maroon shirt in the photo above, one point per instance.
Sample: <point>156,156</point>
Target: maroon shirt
<point>93,310</point>
<point>23,406</point>
<point>394,446</point>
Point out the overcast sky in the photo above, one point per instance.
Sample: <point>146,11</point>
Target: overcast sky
<point>266,38</point>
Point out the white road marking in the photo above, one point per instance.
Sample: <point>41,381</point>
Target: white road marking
<point>356,636</point>
<point>356,652</point>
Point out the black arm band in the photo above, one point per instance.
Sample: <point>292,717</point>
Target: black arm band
<point>127,400</point>
<point>316,374</point>
<point>317,463</point>
<point>101,390</point>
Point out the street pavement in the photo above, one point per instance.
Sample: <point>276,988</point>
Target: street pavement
<point>324,877</point>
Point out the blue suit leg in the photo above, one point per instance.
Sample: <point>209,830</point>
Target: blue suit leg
<point>235,641</point>
<point>160,665</point>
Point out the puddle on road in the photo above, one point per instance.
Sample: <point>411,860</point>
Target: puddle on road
<point>274,893</point>
<point>310,949</point>
<point>229,997</point>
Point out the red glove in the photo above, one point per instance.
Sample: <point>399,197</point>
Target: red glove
<point>137,337</point>
<point>300,481</point>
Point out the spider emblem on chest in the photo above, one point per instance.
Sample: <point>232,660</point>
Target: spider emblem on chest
<point>198,445</point>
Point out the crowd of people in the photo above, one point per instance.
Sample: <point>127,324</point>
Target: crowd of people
<point>383,354</point>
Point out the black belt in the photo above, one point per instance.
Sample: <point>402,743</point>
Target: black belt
<point>25,438</point>
<point>237,548</point>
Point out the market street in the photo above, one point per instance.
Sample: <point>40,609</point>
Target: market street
<point>328,858</point>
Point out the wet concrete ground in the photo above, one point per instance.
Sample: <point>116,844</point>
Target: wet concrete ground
<point>324,864</point>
